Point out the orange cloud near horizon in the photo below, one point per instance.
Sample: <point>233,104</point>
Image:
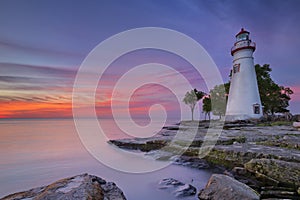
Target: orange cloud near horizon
<point>33,109</point>
<point>24,109</point>
<point>38,109</point>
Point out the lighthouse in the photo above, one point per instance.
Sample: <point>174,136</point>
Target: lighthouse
<point>243,100</point>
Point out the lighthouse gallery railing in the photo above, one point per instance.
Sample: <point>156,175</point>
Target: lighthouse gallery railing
<point>245,44</point>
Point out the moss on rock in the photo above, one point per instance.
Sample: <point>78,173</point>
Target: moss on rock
<point>287,173</point>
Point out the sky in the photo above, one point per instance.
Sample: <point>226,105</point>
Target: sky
<point>43,44</point>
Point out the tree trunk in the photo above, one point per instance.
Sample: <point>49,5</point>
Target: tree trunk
<point>192,114</point>
<point>272,111</point>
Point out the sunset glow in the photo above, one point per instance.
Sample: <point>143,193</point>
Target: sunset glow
<point>38,65</point>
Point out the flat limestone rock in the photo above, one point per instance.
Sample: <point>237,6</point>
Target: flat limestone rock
<point>80,187</point>
<point>222,187</point>
<point>282,171</point>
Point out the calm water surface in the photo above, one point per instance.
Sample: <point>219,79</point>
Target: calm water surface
<point>38,152</point>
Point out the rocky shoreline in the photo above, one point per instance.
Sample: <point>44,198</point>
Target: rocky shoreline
<point>250,161</point>
<point>80,187</point>
<point>265,157</point>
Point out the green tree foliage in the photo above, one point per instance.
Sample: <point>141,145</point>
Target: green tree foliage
<point>199,94</point>
<point>274,98</point>
<point>191,98</point>
<point>219,95</point>
<point>206,107</point>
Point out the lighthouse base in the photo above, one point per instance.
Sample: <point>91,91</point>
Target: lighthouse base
<point>231,118</point>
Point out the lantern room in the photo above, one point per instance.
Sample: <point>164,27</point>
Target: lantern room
<point>243,42</point>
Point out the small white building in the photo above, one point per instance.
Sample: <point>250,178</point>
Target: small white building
<point>244,100</point>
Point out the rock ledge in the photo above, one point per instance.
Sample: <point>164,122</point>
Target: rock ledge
<point>80,187</point>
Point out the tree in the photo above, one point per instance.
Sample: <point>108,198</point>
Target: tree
<point>274,98</point>
<point>206,106</point>
<point>191,98</point>
<point>199,94</point>
<point>219,95</point>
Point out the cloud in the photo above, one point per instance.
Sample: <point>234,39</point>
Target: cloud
<point>35,91</point>
<point>296,95</point>
<point>17,76</point>
<point>24,52</point>
<point>21,109</point>
<point>15,69</point>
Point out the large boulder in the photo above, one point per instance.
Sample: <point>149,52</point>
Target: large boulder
<point>80,187</point>
<point>287,173</point>
<point>223,187</point>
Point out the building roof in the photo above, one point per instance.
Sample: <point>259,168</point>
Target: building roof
<point>242,31</point>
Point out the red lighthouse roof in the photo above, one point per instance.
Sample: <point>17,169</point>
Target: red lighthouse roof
<point>241,32</point>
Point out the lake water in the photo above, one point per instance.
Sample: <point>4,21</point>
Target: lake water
<point>38,152</point>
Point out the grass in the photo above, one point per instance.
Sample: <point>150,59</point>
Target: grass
<point>279,144</point>
<point>276,123</point>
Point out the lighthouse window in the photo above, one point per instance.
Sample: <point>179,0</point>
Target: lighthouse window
<point>256,108</point>
<point>243,36</point>
<point>236,68</point>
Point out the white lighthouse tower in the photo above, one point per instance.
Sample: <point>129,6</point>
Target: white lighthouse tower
<point>244,100</point>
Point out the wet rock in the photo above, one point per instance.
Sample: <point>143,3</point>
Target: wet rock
<point>142,145</point>
<point>172,128</point>
<point>224,187</point>
<point>193,162</point>
<point>178,188</point>
<point>80,187</point>
<point>185,190</point>
<point>287,173</point>
<point>169,182</point>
